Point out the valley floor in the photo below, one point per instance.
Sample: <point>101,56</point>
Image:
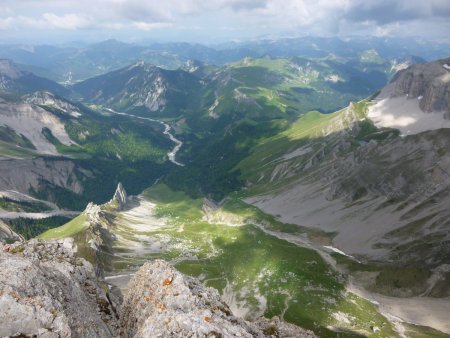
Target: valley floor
<point>260,270</point>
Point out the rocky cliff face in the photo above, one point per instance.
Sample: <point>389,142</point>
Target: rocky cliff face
<point>8,235</point>
<point>120,199</point>
<point>49,99</point>
<point>14,80</point>
<point>47,291</point>
<point>26,174</point>
<point>141,85</point>
<point>385,199</point>
<point>429,83</point>
<point>161,302</point>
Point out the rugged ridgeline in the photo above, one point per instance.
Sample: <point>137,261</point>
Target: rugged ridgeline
<point>33,133</point>
<point>53,149</point>
<point>382,197</point>
<point>142,86</point>
<point>430,82</point>
<point>50,291</point>
<point>416,100</point>
<point>19,82</point>
<point>74,63</point>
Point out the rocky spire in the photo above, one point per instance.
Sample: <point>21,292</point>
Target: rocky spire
<point>120,197</point>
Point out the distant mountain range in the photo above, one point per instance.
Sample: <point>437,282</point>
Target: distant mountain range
<point>72,64</point>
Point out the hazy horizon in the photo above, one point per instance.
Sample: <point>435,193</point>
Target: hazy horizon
<point>217,21</point>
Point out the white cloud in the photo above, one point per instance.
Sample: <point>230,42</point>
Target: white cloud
<point>322,17</point>
<point>46,21</point>
<point>144,26</point>
<point>67,21</point>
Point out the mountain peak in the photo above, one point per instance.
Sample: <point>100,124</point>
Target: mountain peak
<point>417,99</point>
<point>120,197</point>
<point>429,83</point>
<point>9,68</point>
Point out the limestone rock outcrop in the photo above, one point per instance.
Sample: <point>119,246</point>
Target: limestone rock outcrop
<point>120,199</point>
<point>162,302</point>
<point>7,234</point>
<point>429,83</point>
<point>47,291</point>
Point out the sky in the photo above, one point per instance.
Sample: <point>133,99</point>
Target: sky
<point>216,21</point>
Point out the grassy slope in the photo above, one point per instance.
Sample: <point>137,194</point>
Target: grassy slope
<point>294,280</point>
<point>69,229</point>
<point>312,132</point>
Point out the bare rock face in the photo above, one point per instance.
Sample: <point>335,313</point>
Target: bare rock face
<point>26,174</point>
<point>162,302</point>
<point>7,234</point>
<point>8,72</point>
<point>120,199</point>
<point>49,99</point>
<point>47,291</point>
<point>429,83</point>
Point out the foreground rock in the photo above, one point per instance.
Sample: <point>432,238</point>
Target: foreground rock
<point>47,291</point>
<point>161,302</point>
<point>7,234</point>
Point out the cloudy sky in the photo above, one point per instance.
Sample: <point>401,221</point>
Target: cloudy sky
<point>212,21</point>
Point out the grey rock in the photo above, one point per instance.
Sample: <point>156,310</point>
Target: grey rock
<point>162,302</point>
<point>7,234</point>
<point>47,291</point>
<point>120,199</point>
<point>49,99</point>
<point>430,83</point>
<point>24,174</point>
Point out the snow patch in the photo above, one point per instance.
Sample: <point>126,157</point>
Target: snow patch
<point>405,115</point>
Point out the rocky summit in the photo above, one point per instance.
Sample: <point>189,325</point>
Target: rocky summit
<point>46,290</point>
<point>162,302</point>
<point>429,83</point>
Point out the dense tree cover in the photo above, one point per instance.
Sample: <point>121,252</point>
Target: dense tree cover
<point>30,228</point>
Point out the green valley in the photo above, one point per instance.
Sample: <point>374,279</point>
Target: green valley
<point>283,182</point>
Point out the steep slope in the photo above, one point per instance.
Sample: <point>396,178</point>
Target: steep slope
<point>37,119</point>
<point>382,197</point>
<point>15,81</point>
<point>47,291</point>
<point>244,103</point>
<point>416,100</point>
<point>142,88</point>
<point>209,242</point>
<point>63,152</point>
<point>180,306</point>
<point>429,81</point>
<point>7,235</point>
